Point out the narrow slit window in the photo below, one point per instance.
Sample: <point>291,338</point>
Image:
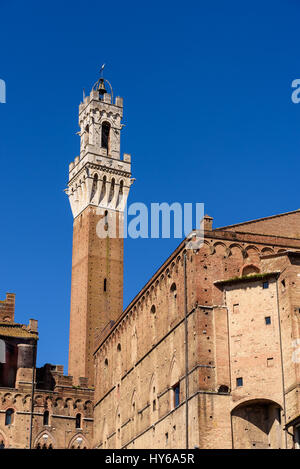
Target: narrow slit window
<point>105,284</point>
<point>78,421</point>
<point>176,392</point>
<point>46,418</point>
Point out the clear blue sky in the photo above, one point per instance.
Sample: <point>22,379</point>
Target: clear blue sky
<point>208,113</point>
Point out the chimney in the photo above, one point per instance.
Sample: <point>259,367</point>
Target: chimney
<point>207,223</point>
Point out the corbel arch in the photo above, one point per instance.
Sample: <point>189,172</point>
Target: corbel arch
<point>249,269</point>
<point>45,439</point>
<point>78,441</point>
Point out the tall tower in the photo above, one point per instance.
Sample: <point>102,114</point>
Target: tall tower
<point>99,183</point>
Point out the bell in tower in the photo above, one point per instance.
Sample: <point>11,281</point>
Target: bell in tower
<point>101,88</point>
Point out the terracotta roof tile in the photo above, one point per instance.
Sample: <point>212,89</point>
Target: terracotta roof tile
<point>16,330</point>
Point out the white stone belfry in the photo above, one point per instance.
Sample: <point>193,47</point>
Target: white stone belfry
<point>98,176</point>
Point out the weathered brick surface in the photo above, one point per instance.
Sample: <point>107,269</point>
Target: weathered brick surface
<point>55,394</point>
<point>7,308</point>
<point>222,346</point>
<point>285,224</point>
<point>94,259</point>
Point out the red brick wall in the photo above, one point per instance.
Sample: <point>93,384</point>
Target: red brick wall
<point>94,259</point>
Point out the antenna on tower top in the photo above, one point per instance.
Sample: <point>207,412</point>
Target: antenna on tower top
<point>101,70</point>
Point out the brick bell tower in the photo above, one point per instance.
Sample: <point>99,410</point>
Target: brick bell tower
<point>99,183</point>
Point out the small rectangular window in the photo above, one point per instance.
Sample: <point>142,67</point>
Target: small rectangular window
<point>266,285</point>
<point>268,320</point>
<point>176,392</point>
<point>239,382</point>
<point>270,362</point>
<point>154,404</point>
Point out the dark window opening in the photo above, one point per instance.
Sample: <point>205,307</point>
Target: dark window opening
<point>283,283</point>
<point>239,382</point>
<point>46,418</point>
<point>105,284</point>
<point>9,416</point>
<point>153,309</point>
<point>266,285</point>
<point>154,405</point>
<point>270,362</point>
<point>78,421</point>
<point>176,391</point>
<point>2,445</point>
<point>268,320</point>
<point>119,347</point>
<point>223,388</point>
<point>105,135</point>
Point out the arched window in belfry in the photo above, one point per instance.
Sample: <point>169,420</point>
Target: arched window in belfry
<point>105,134</point>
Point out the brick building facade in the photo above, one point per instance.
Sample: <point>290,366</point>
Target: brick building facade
<point>241,367</point>
<point>206,355</point>
<point>39,408</point>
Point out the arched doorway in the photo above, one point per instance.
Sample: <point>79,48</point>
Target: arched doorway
<point>256,424</point>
